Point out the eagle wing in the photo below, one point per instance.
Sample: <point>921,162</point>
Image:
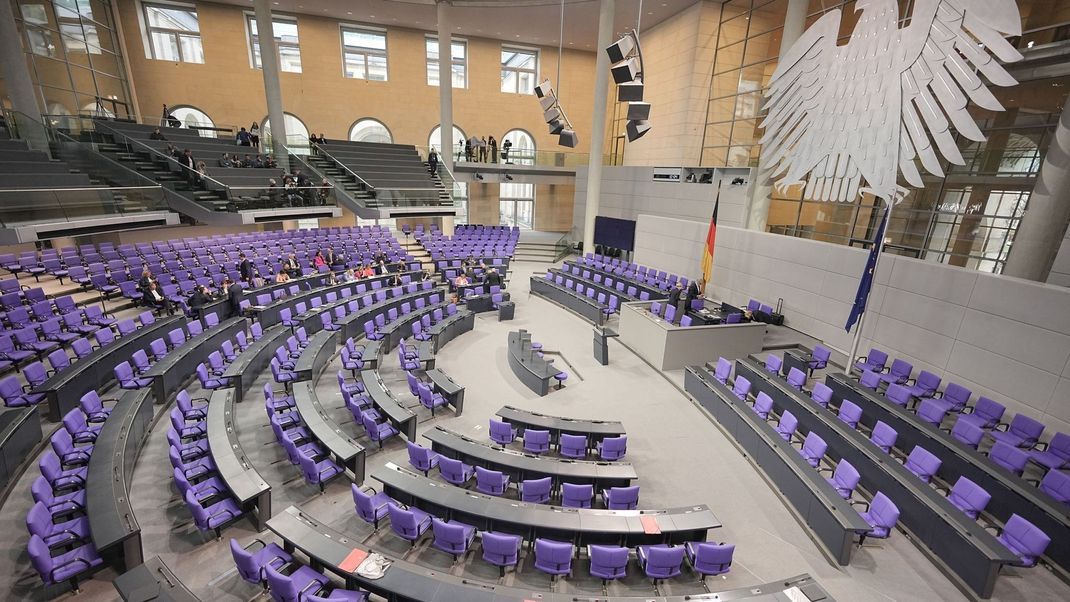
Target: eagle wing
<point>947,45</point>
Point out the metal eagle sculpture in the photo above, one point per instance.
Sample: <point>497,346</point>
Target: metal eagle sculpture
<point>856,116</point>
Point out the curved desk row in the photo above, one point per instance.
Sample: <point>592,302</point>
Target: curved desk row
<point>1010,493</point>
<point>520,465</point>
<point>316,356</point>
<point>246,368</point>
<point>248,488</point>
<point>580,526</point>
<point>585,307</point>
<point>352,324</point>
<point>342,448</point>
<point>114,528</point>
<point>400,417</point>
<point>532,370</point>
<point>168,374</point>
<point>594,430</point>
<point>967,553</point>
<point>94,371</point>
<point>20,432</point>
<point>405,581</point>
<point>655,292</point>
<point>450,328</point>
<point>153,580</point>
<point>269,315</point>
<point>598,286</point>
<point>401,328</point>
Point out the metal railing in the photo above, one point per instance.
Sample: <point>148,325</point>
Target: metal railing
<point>23,127</point>
<point>519,158</point>
<point>562,248</point>
<point>320,151</point>
<point>37,205</point>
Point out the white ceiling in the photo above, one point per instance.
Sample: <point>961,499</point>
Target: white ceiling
<point>525,21</point>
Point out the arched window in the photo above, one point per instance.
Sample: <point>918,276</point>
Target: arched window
<point>523,150</point>
<point>97,109</point>
<point>60,117</point>
<point>194,119</point>
<point>370,130</point>
<point>296,131</point>
<point>435,140</point>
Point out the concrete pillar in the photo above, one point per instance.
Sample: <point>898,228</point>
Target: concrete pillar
<point>598,121</point>
<point>761,188</point>
<point>445,97</point>
<point>17,80</point>
<point>1041,231</point>
<point>269,61</point>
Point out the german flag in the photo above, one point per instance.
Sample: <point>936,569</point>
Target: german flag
<point>707,251</point>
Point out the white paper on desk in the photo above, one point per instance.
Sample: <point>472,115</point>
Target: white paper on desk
<point>373,567</point>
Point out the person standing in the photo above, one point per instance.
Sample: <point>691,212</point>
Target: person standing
<point>693,292</point>
<point>245,268</point>
<point>674,297</point>
<point>254,134</point>
<point>508,144</point>
<point>432,161</point>
<point>483,149</point>
<point>243,138</point>
<point>493,150</point>
<point>190,166</point>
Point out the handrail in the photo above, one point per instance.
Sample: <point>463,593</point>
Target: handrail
<point>153,151</point>
<point>65,139</point>
<point>317,149</point>
<point>92,188</point>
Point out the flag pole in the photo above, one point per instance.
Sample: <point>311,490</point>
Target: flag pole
<point>876,264</point>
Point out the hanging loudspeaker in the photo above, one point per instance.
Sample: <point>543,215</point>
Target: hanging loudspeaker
<point>551,114</point>
<point>630,92</point>
<point>620,49</point>
<point>548,101</point>
<point>556,126</point>
<point>638,111</point>
<point>568,138</point>
<point>625,71</point>
<point>543,89</point>
<point>636,129</point>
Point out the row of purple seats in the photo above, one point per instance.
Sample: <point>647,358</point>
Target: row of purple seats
<point>302,448</point>
<point>629,292</point>
<point>609,306</point>
<point>570,446</point>
<point>650,276</point>
<point>275,569</point>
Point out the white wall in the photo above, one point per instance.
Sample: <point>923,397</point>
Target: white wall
<point>1002,337</point>
<point>1060,269</point>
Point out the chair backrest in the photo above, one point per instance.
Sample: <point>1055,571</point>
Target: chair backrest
<point>796,377</point>
<point>576,496</point>
<point>928,382</point>
<point>991,411</point>
<point>622,497</point>
<point>1025,538</point>
<point>883,512</point>
<point>922,463</point>
<point>967,432</point>
<point>932,412</point>
<point>898,394</point>
<point>822,394</point>
<point>773,363</point>
<point>969,497</point>
<point>1008,456</point>
<point>850,413</point>
<point>1026,428</point>
<point>1057,484</point>
<point>664,561</point>
<point>957,395</point>
<point>869,379</point>
<point>741,387</point>
<point>901,369</point>
<point>723,370</point>
<point>763,404</point>
<point>876,359</point>
<point>846,476</point>
<point>884,436</point>
<point>821,355</point>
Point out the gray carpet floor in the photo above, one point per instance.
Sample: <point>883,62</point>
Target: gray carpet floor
<point>679,453</point>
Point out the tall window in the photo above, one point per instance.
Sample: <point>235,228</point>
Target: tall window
<point>459,64</point>
<point>370,130</point>
<point>364,53</point>
<point>76,26</point>
<point>296,131</point>
<point>519,66</point>
<point>522,151</point>
<point>195,119</point>
<point>174,33</point>
<point>286,41</point>
<point>435,140</point>
<point>516,205</point>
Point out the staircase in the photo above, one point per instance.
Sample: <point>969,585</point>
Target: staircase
<point>159,170</point>
<point>414,248</point>
<point>354,194</point>
<point>535,251</point>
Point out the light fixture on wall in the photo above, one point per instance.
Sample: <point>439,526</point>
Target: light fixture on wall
<point>627,70</point>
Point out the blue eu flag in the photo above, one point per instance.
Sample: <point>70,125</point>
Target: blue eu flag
<point>867,276</point>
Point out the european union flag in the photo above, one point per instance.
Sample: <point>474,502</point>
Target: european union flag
<point>867,276</point>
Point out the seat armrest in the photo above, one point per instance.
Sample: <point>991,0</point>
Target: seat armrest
<point>999,424</point>
<point>860,503</point>
<point>1038,444</point>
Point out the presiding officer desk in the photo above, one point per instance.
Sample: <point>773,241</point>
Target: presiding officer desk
<point>667,346</point>
<point>169,373</point>
<point>1010,493</point>
<point>245,368</point>
<point>405,581</point>
<point>586,307</point>
<point>342,448</point>
<point>831,520</point>
<point>520,465</point>
<point>532,370</point>
<point>250,490</point>
<point>970,555</point>
<point>580,526</point>
<point>594,430</point>
<point>92,372</point>
<point>112,525</point>
<point>153,580</point>
<point>20,432</point>
<point>400,417</point>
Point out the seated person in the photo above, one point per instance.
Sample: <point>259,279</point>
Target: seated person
<point>281,276</point>
<point>248,162</point>
<point>225,161</point>
<point>158,301</point>
<point>461,280</point>
<point>156,135</point>
<point>269,162</point>
<point>258,162</point>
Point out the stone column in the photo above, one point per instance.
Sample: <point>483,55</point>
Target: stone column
<point>598,122</point>
<point>269,61</point>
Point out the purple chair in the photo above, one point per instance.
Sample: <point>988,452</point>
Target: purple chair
<point>54,531</point>
<point>1009,457</point>
<point>621,498</point>
<point>932,411</point>
<point>1023,431</point>
<point>898,394</point>
<point>421,458</point>
<point>844,479</point>
<point>377,431</point>
<point>1057,484</point>
<point>763,405</point>
<point>296,586</point>
<point>786,426</point>
<point>1024,539</point>
<point>723,370</point>
<point>501,549</point>
<point>898,374</point>
<point>813,449</point>
<point>428,398</point>
<point>985,414</point>
<point>371,508</point>
<point>14,396</point>
<point>553,557</point>
<point>922,463</point>
<point>572,446</point>
<point>502,433</point>
<point>69,455</point>
<point>491,482</point>
<point>66,566</point>
<point>93,407</point>
<point>883,436</point>
<point>821,394</point>
<point>212,383</point>
<point>881,514</point>
<point>741,387</point>
<point>874,361</point>
<point>870,380</point>
<point>124,373</point>
<point>576,496</point>
<point>215,516</point>
<point>1054,454</point>
<point>819,359</point>
<point>955,397</point>
<point>773,363</point>
<point>660,561</point>
<point>796,378</point>
<point>850,413</point>
<point>969,497</point>
<point>408,524</point>
<point>535,491</point>
<point>455,471</point>
<point>251,564</point>
<point>612,448</point>
<point>926,385</point>
<point>452,537</point>
<point>536,441</point>
<point>968,433</point>
<point>608,562</point>
<point>81,431</point>
<point>707,558</point>
<point>318,472</point>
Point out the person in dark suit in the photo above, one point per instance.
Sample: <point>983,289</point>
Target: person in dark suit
<point>143,285</point>
<point>245,268</point>
<point>674,296</point>
<point>234,295</point>
<point>692,294</point>
<point>291,267</point>
<point>493,277</point>
<point>330,257</point>
<point>198,300</point>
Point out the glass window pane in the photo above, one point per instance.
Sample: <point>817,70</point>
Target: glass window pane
<point>526,83</point>
<point>377,68</point>
<point>256,55</point>
<point>459,80</point>
<point>354,65</point>
<point>290,59</point>
<point>370,130</point>
<point>192,51</point>
<point>172,18</point>
<point>364,39</point>
<point>509,81</point>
